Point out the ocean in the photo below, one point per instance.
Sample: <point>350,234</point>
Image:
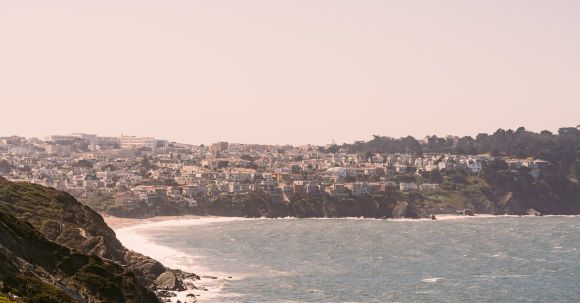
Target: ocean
<point>488,259</point>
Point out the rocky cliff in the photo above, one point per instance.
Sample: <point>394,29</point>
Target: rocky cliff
<point>61,218</point>
<point>35,269</point>
<point>260,204</point>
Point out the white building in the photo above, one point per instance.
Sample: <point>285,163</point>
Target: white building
<point>340,172</point>
<point>130,142</point>
<point>407,186</point>
<point>428,186</point>
<point>474,165</point>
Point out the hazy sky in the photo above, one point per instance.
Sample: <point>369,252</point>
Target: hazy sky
<point>287,71</point>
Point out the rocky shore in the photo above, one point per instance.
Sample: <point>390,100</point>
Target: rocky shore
<point>45,215</point>
<point>176,285</point>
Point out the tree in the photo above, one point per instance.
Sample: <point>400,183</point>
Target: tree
<point>84,164</point>
<point>5,167</point>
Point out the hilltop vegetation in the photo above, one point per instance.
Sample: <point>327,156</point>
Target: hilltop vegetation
<point>561,149</point>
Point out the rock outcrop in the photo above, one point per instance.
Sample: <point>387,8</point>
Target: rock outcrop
<point>260,204</point>
<point>62,219</point>
<point>36,269</point>
<point>169,281</point>
<point>405,210</point>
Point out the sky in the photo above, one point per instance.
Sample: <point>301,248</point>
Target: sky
<point>296,71</point>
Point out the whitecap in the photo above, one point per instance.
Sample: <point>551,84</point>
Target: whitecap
<point>431,280</point>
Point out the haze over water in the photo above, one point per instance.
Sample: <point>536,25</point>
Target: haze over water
<point>499,259</point>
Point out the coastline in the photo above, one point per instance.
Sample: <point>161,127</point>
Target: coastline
<point>117,222</point>
<point>132,234</point>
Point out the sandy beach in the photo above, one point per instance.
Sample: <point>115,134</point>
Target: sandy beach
<point>116,222</point>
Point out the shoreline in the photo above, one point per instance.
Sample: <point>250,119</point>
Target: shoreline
<point>131,234</point>
<point>116,223</point>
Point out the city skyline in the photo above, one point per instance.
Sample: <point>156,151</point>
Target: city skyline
<point>85,136</point>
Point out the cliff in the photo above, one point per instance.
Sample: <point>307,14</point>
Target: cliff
<point>260,204</point>
<point>61,218</point>
<point>35,269</point>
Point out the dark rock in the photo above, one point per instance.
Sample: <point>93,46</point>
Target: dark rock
<point>145,268</point>
<point>190,298</point>
<point>169,281</point>
<point>63,262</point>
<point>405,210</point>
<point>180,274</point>
<point>166,294</point>
<point>189,285</point>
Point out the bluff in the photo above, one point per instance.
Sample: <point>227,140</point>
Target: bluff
<point>59,217</point>
<point>35,269</point>
<point>261,204</point>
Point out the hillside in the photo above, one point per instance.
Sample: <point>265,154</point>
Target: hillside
<point>34,269</point>
<point>61,218</point>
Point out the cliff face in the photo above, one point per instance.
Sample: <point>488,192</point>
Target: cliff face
<point>262,205</point>
<point>61,218</point>
<point>35,269</point>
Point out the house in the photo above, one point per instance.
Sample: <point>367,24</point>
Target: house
<point>376,188</point>
<point>407,186</point>
<point>299,187</point>
<point>337,190</point>
<point>428,186</point>
<point>389,185</point>
<point>401,169</point>
<point>474,165</point>
<point>446,165</point>
<point>340,172</point>
<point>358,189</point>
<point>514,164</point>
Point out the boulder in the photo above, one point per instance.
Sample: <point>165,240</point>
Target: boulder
<point>145,268</point>
<point>533,212</point>
<point>169,281</point>
<point>190,298</point>
<point>166,294</point>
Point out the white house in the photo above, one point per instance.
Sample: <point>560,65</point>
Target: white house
<point>407,186</point>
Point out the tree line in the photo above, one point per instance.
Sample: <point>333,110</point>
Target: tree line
<point>561,149</point>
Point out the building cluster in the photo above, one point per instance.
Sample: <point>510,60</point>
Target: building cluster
<point>135,170</point>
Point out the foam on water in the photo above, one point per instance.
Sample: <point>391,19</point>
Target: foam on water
<point>132,238</point>
<point>431,280</point>
<point>455,258</point>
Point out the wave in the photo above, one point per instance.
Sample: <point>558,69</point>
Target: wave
<point>215,282</point>
<point>431,280</point>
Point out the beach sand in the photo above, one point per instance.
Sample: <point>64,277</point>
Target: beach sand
<point>116,222</point>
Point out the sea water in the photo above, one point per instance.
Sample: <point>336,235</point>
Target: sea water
<point>490,259</point>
